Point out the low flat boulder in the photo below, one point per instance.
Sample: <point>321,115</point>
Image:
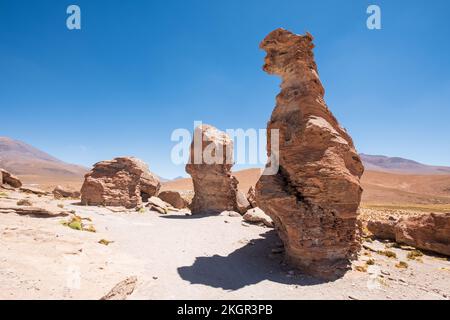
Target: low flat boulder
<point>429,232</point>
<point>158,205</point>
<point>36,191</point>
<point>174,198</point>
<point>256,215</point>
<point>63,192</point>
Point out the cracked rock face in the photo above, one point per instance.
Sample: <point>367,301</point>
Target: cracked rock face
<point>121,182</point>
<point>211,159</point>
<point>314,197</point>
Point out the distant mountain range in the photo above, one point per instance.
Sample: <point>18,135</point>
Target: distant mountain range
<point>400,165</point>
<point>33,164</point>
<point>25,160</point>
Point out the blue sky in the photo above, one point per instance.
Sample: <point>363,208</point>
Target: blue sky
<point>137,70</point>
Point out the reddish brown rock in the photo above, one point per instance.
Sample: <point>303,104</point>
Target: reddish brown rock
<point>210,165</point>
<point>63,192</point>
<point>314,197</point>
<point>251,197</point>
<point>121,182</point>
<point>173,198</point>
<point>429,232</point>
<point>9,179</point>
<point>383,229</point>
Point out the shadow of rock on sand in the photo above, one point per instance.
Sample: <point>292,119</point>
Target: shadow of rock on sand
<point>248,265</point>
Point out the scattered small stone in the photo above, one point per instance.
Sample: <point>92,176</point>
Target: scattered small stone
<point>24,202</point>
<point>122,290</point>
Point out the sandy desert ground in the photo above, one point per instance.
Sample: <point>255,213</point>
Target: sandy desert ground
<point>177,256</point>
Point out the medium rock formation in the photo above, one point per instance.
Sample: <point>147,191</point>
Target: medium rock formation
<point>44,211</point>
<point>9,179</point>
<point>173,198</point>
<point>61,192</point>
<point>210,165</point>
<point>119,182</point>
<point>314,197</point>
<point>429,232</point>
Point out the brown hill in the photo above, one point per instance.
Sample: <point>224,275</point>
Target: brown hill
<point>400,165</point>
<point>34,166</point>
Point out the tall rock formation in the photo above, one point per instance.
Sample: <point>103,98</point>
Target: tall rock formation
<point>124,182</point>
<point>314,197</point>
<point>210,165</point>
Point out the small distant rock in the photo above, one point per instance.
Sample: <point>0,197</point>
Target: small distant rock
<point>232,214</point>
<point>24,202</point>
<point>157,202</point>
<point>256,215</point>
<point>35,191</point>
<point>62,192</point>
<point>8,178</point>
<point>173,198</point>
<point>122,290</point>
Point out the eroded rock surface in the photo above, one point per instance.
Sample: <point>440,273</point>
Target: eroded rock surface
<point>210,167</point>
<point>9,179</point>
<point>427,231</point>
<point>119,182</point>
<point>314,197</point>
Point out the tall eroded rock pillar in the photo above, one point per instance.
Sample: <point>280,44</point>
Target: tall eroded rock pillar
<point>314,197</point>
<point>210,165</point>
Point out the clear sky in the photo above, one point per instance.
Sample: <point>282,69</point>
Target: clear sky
<point>137,70</point>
